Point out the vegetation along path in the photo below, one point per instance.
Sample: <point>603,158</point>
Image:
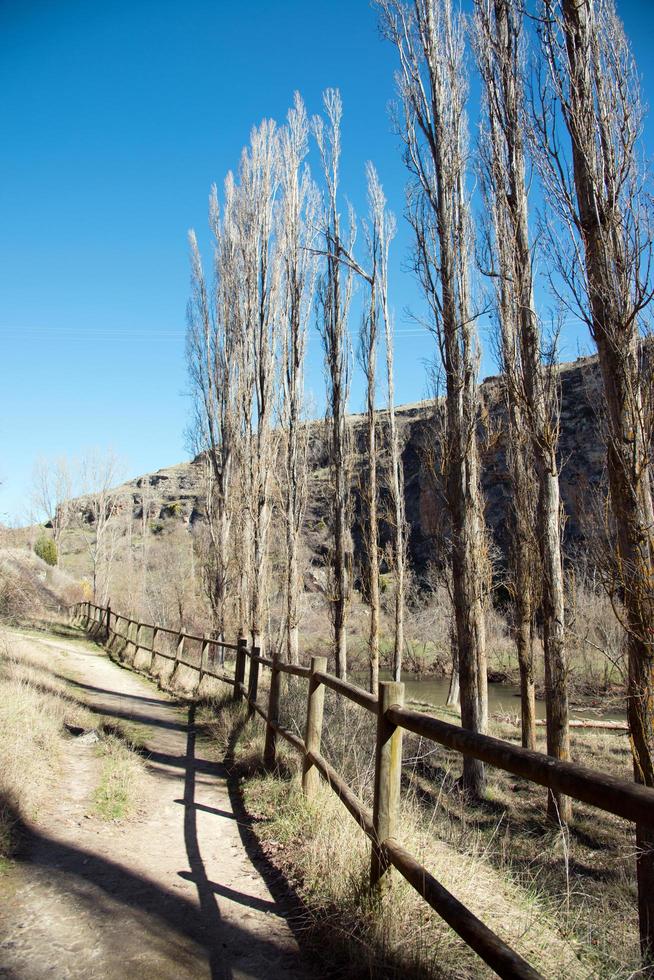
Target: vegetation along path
<point>177,891</point>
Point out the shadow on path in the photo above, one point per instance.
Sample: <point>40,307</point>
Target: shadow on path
<point>144,917</point>
<point>206,895</point>
<point>162,915</point>
<point>283,893</point>
<point>129,697</point>
<point>134,918</point>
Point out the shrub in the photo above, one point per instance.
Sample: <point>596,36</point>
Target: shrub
<point>46,549</point>
<point>19,595</point>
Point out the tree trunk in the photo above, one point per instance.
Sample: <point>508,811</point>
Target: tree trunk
<point>524,641</point>
<point>556,681</point>
<point>530,399</point>
<point>397,494</point>
<point>453,692</point>
<point>293,633</point>
<point>334,296</point>
<point>398,647</point>
<point>341,577</point>
<point>429,39</point>
<point>523,561</point>
<point>259,577</point>
<point>612,274</point>
<point>469,617</point>
<point>373,544</point>
<point>464,507</point>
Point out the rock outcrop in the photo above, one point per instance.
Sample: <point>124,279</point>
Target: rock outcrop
<point>176,493</point>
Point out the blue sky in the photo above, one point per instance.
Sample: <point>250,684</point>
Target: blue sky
<point>115,120</point>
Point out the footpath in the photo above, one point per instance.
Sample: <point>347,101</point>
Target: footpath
<point>179,891</point>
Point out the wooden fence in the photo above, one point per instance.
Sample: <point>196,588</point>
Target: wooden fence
<point>620,797</point>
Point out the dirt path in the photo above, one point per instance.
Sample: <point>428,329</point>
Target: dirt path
<point>178,892</point>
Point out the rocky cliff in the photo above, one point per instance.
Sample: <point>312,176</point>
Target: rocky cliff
<point>176,493</point>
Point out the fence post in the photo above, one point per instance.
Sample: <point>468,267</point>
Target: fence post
<point>108,620</point>
<point>253,681</point>
<point>204,654</point>
<point>239,669</point>
<point>152,648</point>
<point>313,730</point>
<point>178,653</point>
<point>270,750</point>
<point>388,772</point>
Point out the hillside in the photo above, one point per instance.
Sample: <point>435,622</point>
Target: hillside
<point>30,588</point>
<point>174,495</point>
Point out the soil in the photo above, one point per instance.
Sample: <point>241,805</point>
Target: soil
<point>178,891</point>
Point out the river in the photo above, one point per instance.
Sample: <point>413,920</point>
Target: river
<point>503,699</point>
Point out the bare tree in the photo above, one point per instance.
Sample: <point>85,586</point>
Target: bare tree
<point>382,233</point>
<point>148,510</point>
<point>379,233</point>
<point>384,225</point>
<point>530,390</point>
<point>368,344</point>
<point>297,231</point>
<point>261,271</point>
<point>596,189</point>
<point>429,42</point>
<point>98,517</point>
<point>52,493</point>
<point>211,345</point>
<point>334,295</point>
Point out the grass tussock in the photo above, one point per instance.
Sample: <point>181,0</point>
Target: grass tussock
<point>117,795</point>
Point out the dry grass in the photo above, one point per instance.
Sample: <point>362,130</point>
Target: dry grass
<point>29,587</point>
<point>323,851</point>
<point>35,710</point>
<point>565,899</point>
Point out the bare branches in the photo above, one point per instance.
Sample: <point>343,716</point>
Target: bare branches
<point>98,516</point>
<point>297,232</point>
<point>596,188</point>
<point>52,492</point>
<point>213,344</point>
<point>428,38</point>
<point>531,401</point>
<point>334,295</point>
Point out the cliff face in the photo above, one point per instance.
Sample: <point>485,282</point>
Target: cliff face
<point>581,461</point>
<point>176,493</point>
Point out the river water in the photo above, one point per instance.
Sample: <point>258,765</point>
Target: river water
<point>503,699</point>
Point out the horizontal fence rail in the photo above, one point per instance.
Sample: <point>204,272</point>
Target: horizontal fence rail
<point>628,800</point>
<point>608,793</point>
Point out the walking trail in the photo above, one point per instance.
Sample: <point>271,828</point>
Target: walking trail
<point>177,892</point>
